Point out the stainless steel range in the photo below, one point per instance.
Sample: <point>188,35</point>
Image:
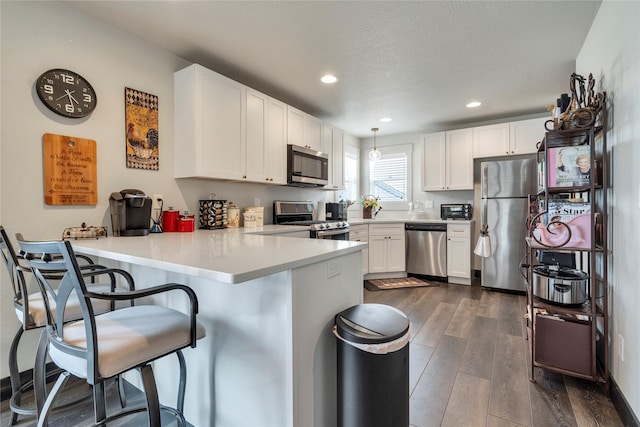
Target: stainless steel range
<point>301,213</point>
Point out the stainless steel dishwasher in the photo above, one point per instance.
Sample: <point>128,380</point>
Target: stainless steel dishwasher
<point>426,246</point>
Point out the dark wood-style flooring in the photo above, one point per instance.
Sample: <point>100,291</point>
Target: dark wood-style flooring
<point>469,364</point>
<point>468,367</point>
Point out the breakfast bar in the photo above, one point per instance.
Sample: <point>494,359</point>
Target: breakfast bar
<point>267,303</point>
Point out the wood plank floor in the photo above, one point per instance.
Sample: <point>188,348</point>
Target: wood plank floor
<point>469,364</point>
<point>468,367</point>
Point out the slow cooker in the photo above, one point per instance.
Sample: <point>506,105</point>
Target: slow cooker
<point>560,285</point>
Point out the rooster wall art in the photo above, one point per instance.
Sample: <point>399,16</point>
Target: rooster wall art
<point>141,114</point>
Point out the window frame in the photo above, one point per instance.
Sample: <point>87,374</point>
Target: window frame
<point>406,149</point>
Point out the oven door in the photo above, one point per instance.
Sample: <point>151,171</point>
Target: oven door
<point>336,234</point>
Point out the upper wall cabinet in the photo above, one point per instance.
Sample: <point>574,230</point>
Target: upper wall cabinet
<point>333,145</point>
<point>225,130</point>
<point>447,161</point>
<point>506,139</point>
<point>303,129</point>
<point>210,118</point>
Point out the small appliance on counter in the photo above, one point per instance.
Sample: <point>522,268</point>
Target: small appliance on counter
<point>456,211</point>
<point>336,211</point>
<point>170,220</point>
<point>130,213</point>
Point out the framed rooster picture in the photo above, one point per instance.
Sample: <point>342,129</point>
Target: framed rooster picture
<point>141,129</point>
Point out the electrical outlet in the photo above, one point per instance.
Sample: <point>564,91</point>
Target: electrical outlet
<point>428,204</point>
<point>621,347</point>
<point>333,269</point>
<point>155,203</point>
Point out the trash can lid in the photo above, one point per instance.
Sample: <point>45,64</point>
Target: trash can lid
<point>371,323</point>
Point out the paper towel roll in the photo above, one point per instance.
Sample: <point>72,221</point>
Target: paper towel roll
<point>321,212</point>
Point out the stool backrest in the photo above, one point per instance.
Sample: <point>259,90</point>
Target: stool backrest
<point>16,274</point>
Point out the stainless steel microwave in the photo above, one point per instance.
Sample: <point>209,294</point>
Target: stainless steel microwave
<point>307,167</point>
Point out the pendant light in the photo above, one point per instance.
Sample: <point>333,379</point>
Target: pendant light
<point>374,154</point>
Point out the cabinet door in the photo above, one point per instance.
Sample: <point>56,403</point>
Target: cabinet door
<point>360,233</point>
<point>492,140</point>
<point>210,125</point>
<point>257,105</point>
<point>458,257</point>
<point>295,126</point>
<point>276,147</point>
<point>459,160</point>
<point>433,165</point>
<point>313,133</point>
<point>396,253</point>
<point>525,135</point>
<point>327,147</point>
<point>377,254</point>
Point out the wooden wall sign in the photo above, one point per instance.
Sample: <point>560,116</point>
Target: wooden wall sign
<point>70,170</point>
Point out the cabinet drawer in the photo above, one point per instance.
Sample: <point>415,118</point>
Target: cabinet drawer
<point>358,235</point>
<point>386,229</point>
<point>563,344</point>
<point>458,230</point>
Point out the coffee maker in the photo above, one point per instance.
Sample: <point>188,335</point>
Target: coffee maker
<point>130,213</point>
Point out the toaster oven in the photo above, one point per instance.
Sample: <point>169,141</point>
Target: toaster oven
<point>456,211</point>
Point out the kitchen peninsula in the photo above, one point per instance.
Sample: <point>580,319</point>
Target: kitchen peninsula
<point>267,303</point>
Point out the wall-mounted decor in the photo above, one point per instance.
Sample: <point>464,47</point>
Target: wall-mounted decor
<point>70,171</point>
<point>66,93</point>
<point>141,124</point>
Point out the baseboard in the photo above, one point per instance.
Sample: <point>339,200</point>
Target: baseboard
<point>629,419</point>
<point>5,383</point>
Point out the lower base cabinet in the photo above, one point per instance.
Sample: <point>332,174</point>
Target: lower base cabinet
<point>386,248</point>
<point>459,253</point>
<point>360,233</point>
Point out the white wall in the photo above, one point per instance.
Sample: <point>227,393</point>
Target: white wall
<point>37,36</point>
<point>611,53</point>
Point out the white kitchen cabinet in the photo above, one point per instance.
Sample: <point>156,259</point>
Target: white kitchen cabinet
<point>386,248</point>
<point>448,161</point>
<point>360,233</point>
<point>209,137</point>
<point>525,135</point>
<point>491,140</point>
<point>506,139</point>
<point>333,145</point>
<point>276,144</point>
<point>459,253</point>
<point>256,136</point>
<point>303,129</point>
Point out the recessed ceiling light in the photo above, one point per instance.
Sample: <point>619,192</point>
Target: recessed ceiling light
<point>385,119</point>
<point>474,104</point>
<point>328,79</point>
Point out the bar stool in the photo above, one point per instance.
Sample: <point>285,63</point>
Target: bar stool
<point>30,309</point>
<point>98,347</point>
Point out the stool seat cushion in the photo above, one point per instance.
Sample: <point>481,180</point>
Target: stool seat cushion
<point>146,332</point>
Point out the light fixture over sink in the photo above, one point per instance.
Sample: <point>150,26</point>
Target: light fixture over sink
<point>374,154</point>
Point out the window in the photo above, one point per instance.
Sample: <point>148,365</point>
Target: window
<point>351,174</point>
<point>390,177</point>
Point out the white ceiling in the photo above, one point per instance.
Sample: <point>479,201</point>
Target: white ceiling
<point>418,62</point>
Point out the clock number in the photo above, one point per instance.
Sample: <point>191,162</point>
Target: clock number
<point>48,89</point>
<point>69,108</point>
<point>86,97</point>
<point>67,79</point>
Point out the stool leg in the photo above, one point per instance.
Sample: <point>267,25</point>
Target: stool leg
<point>40,372</point>
<point>43,417</point>
<point>181,388</point>
<point>151,394</point>
<point>14,374</point>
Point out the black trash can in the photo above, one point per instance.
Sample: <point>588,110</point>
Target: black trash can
<point>373,366</point>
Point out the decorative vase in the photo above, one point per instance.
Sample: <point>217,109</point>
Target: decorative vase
<point>366,212</point>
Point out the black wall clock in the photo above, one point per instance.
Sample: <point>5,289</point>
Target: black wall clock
<point>66,93</point>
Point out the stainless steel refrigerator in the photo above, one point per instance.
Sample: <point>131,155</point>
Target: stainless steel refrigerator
<point>505,187</point>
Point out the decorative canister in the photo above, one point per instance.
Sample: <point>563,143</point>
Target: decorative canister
<point>258,213</point>
<point>186,222</point>
<point>213,214</point>
<point>233,214</point>
<point>170,220</point>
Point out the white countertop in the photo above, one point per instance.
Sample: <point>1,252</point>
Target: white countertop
<point>408,219</point>
<point>228,255</point>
